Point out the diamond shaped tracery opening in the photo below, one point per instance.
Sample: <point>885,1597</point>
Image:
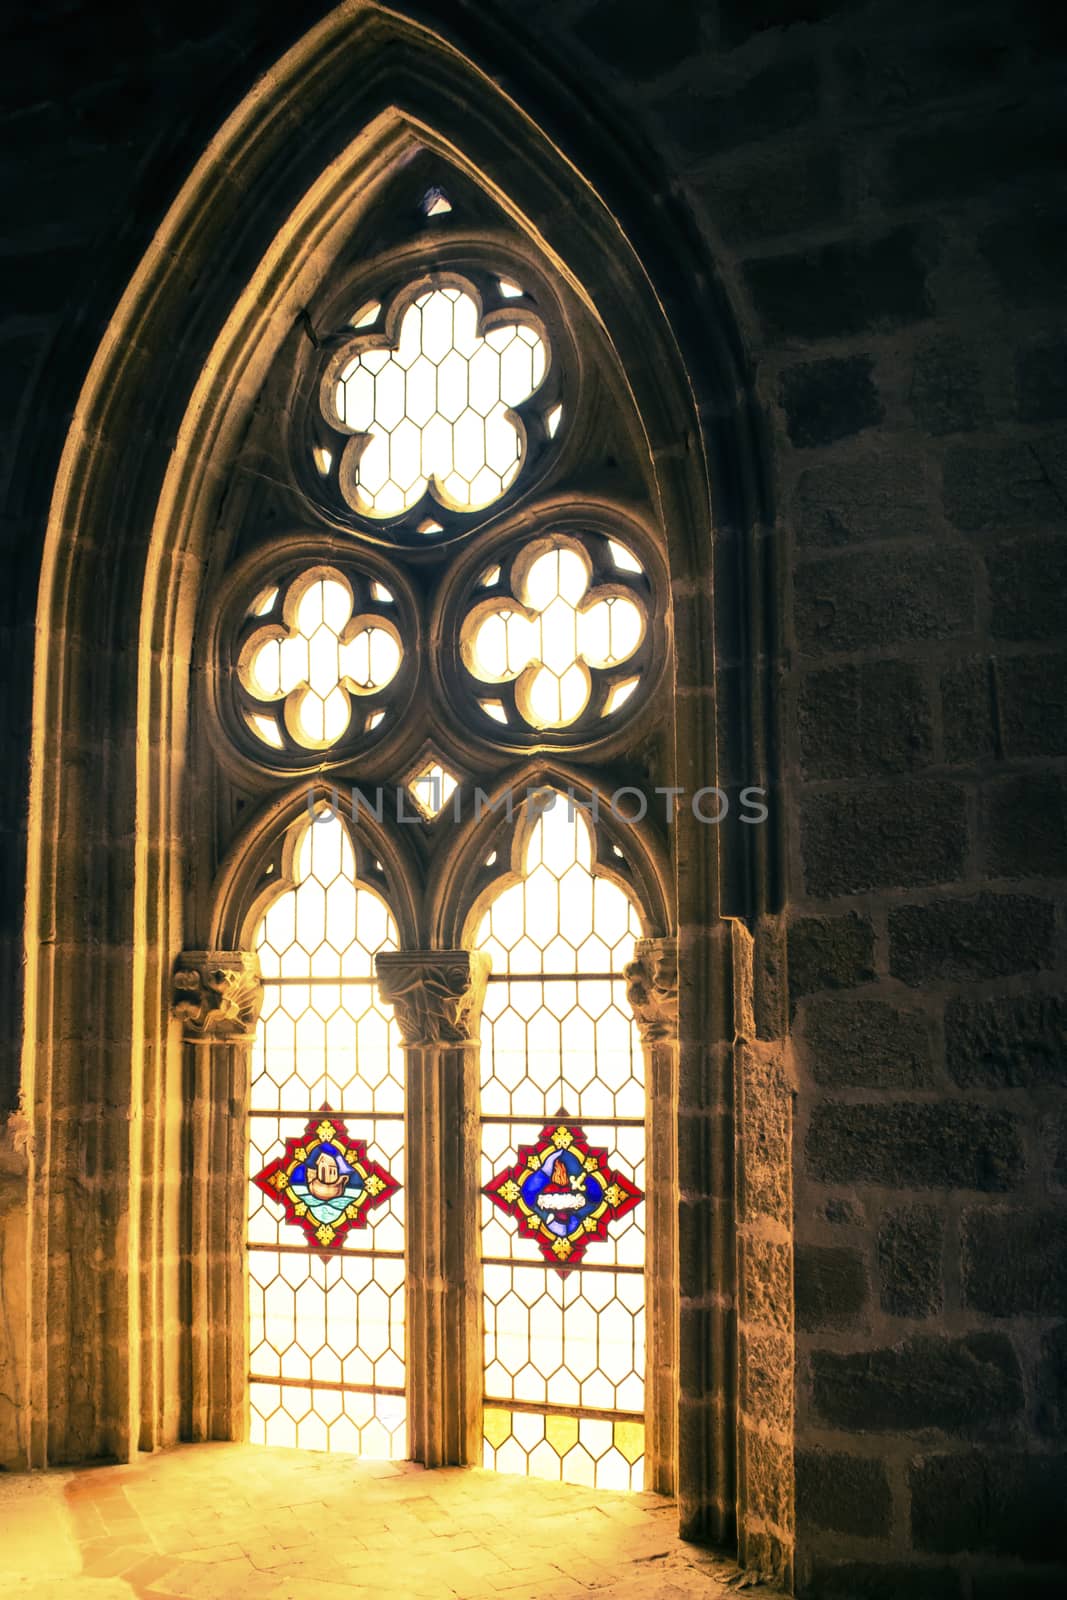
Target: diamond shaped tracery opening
<point>314,661</point>
<point>431,788</point>
<point>433,408</point>
<point>547,635</point>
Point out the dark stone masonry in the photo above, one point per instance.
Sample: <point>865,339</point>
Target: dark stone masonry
<point>849,217</point>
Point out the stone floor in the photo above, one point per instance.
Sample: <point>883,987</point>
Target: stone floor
<point>233,1522</point>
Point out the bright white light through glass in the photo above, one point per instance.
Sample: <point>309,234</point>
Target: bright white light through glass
<point>558,1034</point>
<point>313,666</point>
<point>560,917</point>
<point>326,1334</point>
<point>436,203</point>
<point>431,788</point>
<point>436,409</point>
<point>619,695</point>
<point>623,558</point>
<point>548,647</point>
<point>267,729</point>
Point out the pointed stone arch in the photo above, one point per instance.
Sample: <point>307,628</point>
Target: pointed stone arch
<point>109,897</point>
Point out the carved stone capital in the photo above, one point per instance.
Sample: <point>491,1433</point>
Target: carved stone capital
<point>437,994</point>
<point>652,988</point>
<point>217,993</point>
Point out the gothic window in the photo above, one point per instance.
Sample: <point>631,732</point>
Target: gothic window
<point>444,606</point>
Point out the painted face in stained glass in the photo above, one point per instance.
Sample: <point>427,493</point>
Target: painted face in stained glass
<point>563,1194</point>
<point>326,1181</point>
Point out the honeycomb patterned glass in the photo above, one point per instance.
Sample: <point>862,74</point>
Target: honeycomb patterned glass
<point>327,1316</point>
<point>564,1350</point>
<point>547,636</point>
<point>315,660</point>
<point>435,410</point>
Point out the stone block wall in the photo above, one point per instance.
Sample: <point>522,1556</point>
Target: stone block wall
<point>878,193</point>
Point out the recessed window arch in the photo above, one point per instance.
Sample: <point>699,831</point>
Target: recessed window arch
<point>412,644</point>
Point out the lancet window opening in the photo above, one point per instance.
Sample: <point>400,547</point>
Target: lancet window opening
<point>326,1200</point>
<point>563,1144</point>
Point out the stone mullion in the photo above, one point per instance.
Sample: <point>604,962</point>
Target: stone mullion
<point>437,996</point>
<point>217,997</point>
<point>652,991</point>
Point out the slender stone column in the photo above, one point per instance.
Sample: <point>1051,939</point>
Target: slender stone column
<point>652,990</point>
<point>437,995</point>
<point>217,997</point>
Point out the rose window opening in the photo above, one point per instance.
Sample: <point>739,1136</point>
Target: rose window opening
<point>431,402</point>
<point>324,645</point>
<point>565,637</point>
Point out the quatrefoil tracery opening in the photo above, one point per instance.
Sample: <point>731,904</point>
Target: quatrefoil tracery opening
<point>330,646</point>
<point>431,401</point>
<point>552,630</point>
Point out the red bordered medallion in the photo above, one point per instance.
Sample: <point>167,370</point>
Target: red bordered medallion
<point>563,1194</point>
<point>326,1181</point>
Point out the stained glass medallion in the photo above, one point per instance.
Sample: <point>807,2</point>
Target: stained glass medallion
<point>326,1181</point>
<point>563,1194</point>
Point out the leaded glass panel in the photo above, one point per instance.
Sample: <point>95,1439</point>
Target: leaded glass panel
<point>562,1117</point>
<point>326,1135</point>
